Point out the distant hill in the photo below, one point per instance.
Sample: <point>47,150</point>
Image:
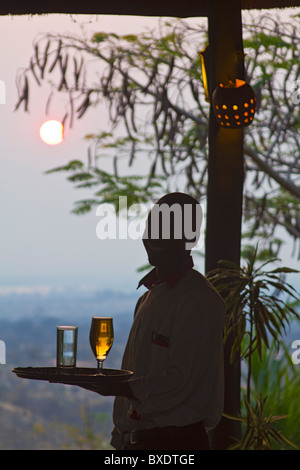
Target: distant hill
<point>40,415</point>
<point>73,304</point>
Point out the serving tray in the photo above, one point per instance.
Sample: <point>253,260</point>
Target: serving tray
<point>73,375</point>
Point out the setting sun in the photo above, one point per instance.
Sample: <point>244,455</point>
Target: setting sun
<point>51,132</point>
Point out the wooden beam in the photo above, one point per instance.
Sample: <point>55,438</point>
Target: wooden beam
<point>176,8</point>
<point>225,182</point>
<point>115,7</point>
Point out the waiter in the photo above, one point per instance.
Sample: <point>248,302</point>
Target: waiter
<point>175,346</point>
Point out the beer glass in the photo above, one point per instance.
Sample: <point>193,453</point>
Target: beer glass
<point>101,338</point>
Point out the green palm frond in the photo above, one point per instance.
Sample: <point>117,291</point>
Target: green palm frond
<point>259,428</point>
<point>252,297</point>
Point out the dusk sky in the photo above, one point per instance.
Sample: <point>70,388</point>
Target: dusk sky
<point>42,244</point>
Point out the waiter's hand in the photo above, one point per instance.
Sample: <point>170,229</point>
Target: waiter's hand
<point>106,389</point>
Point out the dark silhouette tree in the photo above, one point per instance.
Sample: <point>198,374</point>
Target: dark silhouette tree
<point>151,86</point>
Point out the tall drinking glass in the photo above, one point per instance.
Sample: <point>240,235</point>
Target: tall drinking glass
<point>66,346</point>
<point>101,338</point>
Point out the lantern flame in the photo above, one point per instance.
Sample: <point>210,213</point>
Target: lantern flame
<point>237,83</point>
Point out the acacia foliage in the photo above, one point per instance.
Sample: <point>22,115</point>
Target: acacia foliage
<point>151,87</point>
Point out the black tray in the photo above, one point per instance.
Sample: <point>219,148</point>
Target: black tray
<point>73,375</point>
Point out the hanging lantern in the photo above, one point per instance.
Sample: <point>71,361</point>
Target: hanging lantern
<point>234,104</point>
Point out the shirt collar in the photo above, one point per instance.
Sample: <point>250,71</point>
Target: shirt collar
<point>171,279</point>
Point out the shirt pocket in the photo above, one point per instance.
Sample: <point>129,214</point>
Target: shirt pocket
<point>159,350</point>
<point>160,340</point>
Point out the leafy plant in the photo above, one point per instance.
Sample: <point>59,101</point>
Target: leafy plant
<point>109,187</point>
<point>252,310</point>
<point>259,428</point>
<point>277,377</point>
<point>255,314</point>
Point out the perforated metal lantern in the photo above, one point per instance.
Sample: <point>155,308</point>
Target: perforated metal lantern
<point>234,104</point>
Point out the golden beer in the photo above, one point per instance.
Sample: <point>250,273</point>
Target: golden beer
<point>101,337</point>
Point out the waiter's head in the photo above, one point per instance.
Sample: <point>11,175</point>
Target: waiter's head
<point>173,227</point>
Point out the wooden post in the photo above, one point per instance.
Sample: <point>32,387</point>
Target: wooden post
<point>225,183</point>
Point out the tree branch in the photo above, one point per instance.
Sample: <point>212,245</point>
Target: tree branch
<point>286,184</point>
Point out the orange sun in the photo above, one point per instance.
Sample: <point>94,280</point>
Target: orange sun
<point>51,132</point>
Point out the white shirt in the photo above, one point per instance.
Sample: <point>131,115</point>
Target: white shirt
<point>175,349</point>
